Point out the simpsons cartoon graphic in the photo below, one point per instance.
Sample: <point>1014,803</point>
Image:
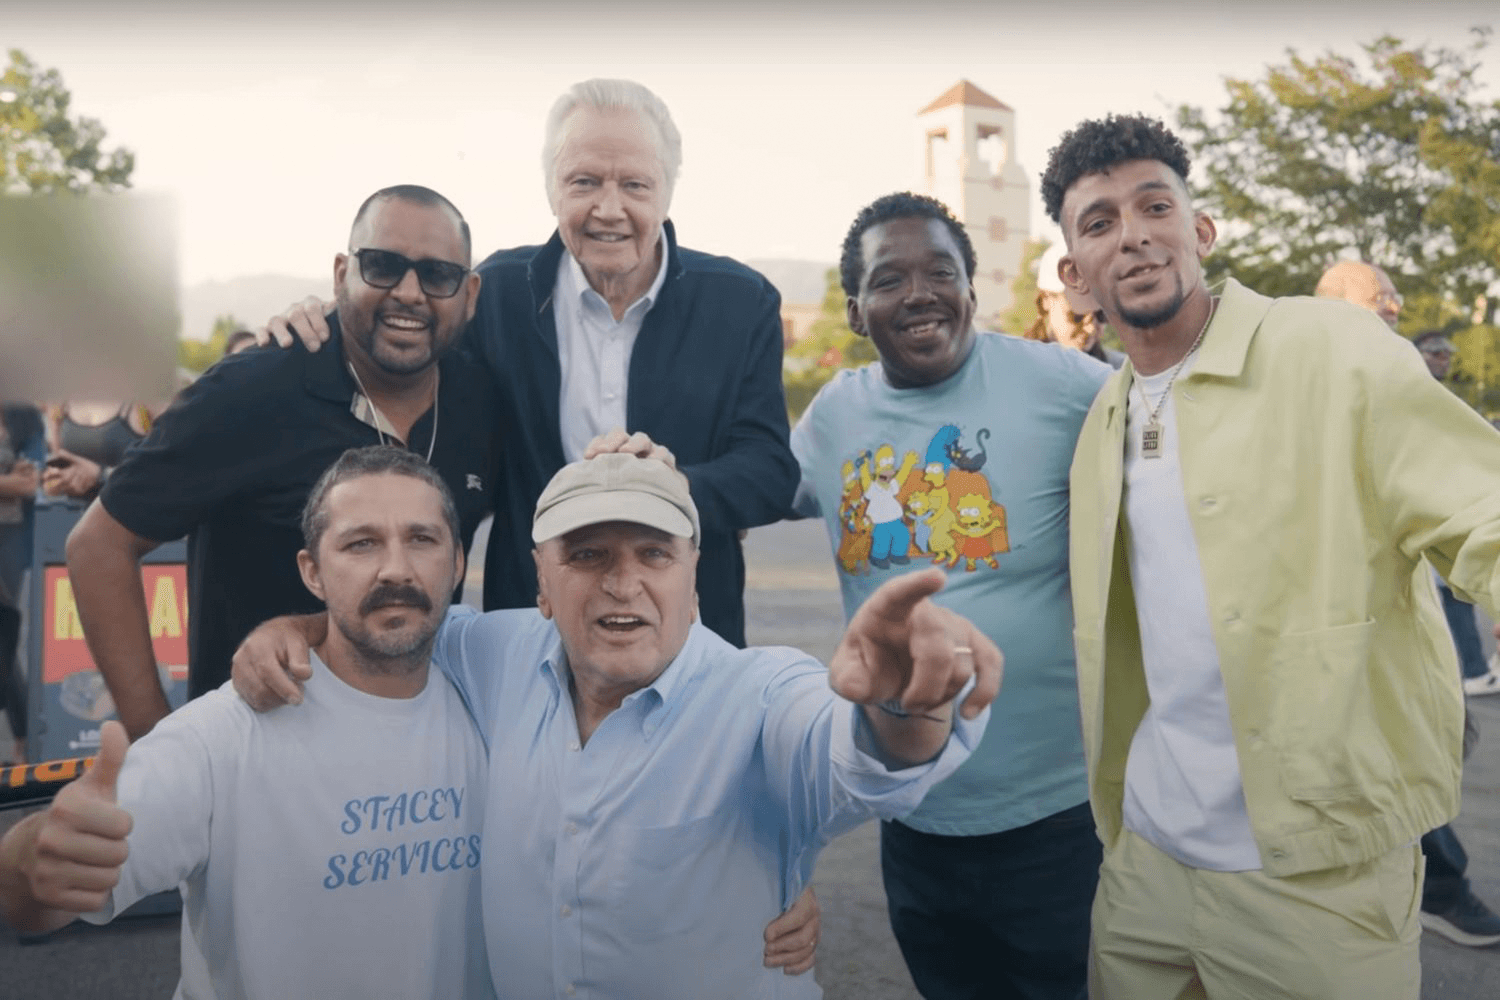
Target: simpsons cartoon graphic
<point>890,539</point>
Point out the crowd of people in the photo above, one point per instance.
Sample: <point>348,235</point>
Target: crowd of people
<point>1231,707</point>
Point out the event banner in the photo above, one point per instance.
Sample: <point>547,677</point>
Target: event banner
<point>74,697</point>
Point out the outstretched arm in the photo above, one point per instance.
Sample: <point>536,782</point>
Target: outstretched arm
<point>904,659</point>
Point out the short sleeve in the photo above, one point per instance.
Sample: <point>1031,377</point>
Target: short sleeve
<point>219,435</point>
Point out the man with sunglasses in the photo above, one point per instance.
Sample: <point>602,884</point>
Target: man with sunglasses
<point>231,463</point>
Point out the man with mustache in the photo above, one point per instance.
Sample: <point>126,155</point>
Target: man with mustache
<point>231,462</point>
<point>1270,700</point>
<point>332,849</point>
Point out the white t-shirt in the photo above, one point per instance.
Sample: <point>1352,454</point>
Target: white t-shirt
<point>328,849</point>
<point>1183,790</point>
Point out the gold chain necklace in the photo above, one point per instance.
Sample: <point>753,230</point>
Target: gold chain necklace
<point>436,385</point>
<point>1151,434</point>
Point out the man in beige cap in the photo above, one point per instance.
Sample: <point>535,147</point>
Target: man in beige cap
<point>656,795</point>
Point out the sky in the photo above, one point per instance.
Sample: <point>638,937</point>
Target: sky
<point>268,123</point>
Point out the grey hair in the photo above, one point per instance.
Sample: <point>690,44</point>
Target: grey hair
<point>373,460</point>
<point>612,95</point>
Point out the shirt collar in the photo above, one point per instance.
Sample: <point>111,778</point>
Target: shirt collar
<point>660,697</point>
<point>1227,340</point>
<point>574,284</point>
<point>1226,343</point>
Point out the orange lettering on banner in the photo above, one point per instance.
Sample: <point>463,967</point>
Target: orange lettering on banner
<point>57,770</point>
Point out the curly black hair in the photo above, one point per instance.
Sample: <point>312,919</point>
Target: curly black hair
<point>901,205</point>
<point>1094,145</point>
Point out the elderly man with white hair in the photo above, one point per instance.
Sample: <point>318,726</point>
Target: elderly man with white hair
<point>611,323</point>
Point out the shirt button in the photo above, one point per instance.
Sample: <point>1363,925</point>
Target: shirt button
<point>609,396</point>
<point>573,745</point>
<point>1278,853</point>
<point>1208,503</point>
<point>572,828</point>
<point>566,911</point>
<point>1232,618</point>
<point>571,990</point>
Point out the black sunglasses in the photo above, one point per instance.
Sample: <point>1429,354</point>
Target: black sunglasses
<point>385,268</point>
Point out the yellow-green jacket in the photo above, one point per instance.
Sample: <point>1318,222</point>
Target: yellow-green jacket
<point>1320,462</point>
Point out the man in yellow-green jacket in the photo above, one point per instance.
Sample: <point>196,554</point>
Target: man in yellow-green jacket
<point>1271,707</point>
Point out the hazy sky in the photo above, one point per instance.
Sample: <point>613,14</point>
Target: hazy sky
<point>270,122</point>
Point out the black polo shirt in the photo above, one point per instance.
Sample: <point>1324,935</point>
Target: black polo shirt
<point>231,463</point>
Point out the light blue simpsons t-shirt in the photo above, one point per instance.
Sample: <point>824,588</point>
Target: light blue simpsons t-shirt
<point>970,474</point>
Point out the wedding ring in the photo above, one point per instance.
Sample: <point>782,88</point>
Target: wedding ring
<point>963,649</point>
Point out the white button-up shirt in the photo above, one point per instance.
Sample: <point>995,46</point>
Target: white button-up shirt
<point>594,352</point>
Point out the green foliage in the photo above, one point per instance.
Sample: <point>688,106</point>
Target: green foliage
<point>197,355</point>
<point>1390,158</point>
<point>828,348</point>
<point>1475,374</point>
<point>44,149</point>
<point>1022,313</point>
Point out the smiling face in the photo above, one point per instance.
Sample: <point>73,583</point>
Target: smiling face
<point>386,566</point>
<point>622,595</point>
<point>609,193</point>
<point>402,330</point>
<point>915,301</point>
<point>1135,244</point>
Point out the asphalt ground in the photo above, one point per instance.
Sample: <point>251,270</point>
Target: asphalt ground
<point>791,600</point>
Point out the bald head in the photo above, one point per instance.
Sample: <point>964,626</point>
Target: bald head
<point>1365,285</point>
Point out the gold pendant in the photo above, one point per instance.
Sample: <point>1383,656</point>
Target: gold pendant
<point>1151,440</point>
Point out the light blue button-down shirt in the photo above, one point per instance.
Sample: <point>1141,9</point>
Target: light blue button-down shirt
<point>648,862</point>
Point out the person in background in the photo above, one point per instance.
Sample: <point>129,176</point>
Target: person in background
<point>88,439</point>
<point>23,448</point>
<point>1068,317</point>
<point>1363,284</point>
<point>239,340</point>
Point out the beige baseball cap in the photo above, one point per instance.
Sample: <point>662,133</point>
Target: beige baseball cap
<point>616,487</point>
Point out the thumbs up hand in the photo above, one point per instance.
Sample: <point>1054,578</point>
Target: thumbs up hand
<point>80,843</point>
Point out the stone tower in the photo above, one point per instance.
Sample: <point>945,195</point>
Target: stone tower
<point>968,162</point>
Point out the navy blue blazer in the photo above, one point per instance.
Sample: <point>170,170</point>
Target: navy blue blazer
<point>705,380</point>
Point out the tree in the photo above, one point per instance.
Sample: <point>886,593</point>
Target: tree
<point>1389,158</point>
<point>44,149</point>
<point>1022,313</point>
<point>828,348</point>
<point>197,355</point>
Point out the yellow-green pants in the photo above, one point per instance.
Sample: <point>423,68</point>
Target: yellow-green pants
<point>1165,931</point>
